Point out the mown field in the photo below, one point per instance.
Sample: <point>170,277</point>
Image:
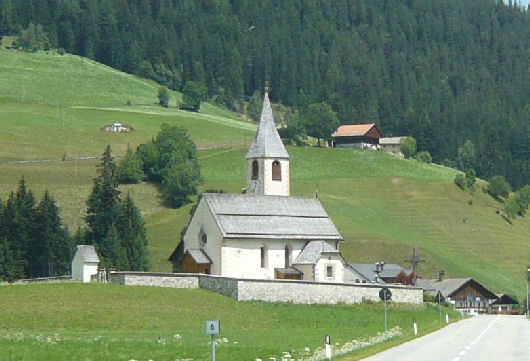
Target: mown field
<point>79,322</point>
<point>53,107</point>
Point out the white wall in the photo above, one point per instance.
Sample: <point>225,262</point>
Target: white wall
<point>241,258</point>
<point>89,269</point>
<point>334,261</point>
<point>203,219</point>
<point>274,187</point>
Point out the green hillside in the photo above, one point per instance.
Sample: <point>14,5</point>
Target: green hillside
<point>382,205</point>
<point>93,322</point>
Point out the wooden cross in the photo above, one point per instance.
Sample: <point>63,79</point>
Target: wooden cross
<point>414,261</point>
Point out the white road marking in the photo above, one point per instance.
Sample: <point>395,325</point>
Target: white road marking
<point>477,339</point>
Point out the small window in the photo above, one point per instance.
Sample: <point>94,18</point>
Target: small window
<point>263,257</point>
<point>287,257</point>
<point>255,169</point>
<point>204,238</point>
<point>276,171</point>
<point>329,271</point>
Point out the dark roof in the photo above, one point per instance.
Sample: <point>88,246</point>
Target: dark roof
<point>257,216</point>
<point>199,256</point>
<point>267,141</point>
<point>312,252</point>
<point>367,270</point>
<point>450,286</point>
<point>87,253</point>
<point>288,271</point>
<point>504,299</point>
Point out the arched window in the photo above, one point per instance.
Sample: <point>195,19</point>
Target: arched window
<point>203,238</point>
<point>255,169</point>
<point>287,257</point>
<point>276,171</point>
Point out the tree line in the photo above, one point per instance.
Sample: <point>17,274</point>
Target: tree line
<point>33,240</point>
<point>442,71</point>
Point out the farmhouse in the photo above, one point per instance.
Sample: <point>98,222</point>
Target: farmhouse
<point>466,294</point>
<point>365,136</point>
<point>263,233</point>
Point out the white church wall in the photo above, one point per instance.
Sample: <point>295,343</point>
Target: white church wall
<point>276,187</point>
<point>242,257</point>
<point>203,221</point>
<point>337,269</point>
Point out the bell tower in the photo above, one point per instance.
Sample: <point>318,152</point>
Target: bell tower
<point>267,160</point>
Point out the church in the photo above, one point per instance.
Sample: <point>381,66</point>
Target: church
<point>263,233</point>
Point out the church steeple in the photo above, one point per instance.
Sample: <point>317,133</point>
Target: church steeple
<point>267,159</point>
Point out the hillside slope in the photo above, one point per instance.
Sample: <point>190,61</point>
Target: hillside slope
<point>382,205</point>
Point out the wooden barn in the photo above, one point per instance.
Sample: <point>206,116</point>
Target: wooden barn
<point>365,136</point>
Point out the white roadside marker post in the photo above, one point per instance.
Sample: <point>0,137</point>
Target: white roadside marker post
<point>415,326</point>
<point>213,328</point>
<point>328,347</point>
<point>446,318</point>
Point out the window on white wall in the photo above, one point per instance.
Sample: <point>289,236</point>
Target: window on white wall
<point>329,271</point>
<point>263,257</point>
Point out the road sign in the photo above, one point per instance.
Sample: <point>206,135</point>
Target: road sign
<point>385,294</point>
<point>213,327</point>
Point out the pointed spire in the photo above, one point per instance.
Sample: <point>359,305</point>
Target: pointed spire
<point>267,142</point>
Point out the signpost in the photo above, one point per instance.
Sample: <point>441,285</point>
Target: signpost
<point>213,328</point>
<point>384,295</point>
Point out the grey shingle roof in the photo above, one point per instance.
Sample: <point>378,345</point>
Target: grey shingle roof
<point>267,142</point>
<point>87,253</point>
<point>367,270</point>
<point>199,256</point>
<point>255,216</point>
<point>313,251</point>
<point>448,286</point>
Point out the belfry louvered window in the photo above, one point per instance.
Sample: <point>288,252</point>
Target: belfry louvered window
<point>255,169</point>
<point>276,171</point>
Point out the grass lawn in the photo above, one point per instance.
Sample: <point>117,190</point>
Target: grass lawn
<point>111,322</point>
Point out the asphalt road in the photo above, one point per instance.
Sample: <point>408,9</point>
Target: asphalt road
<point>484,338</point>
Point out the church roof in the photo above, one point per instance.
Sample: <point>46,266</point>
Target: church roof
<point>199,256</point>
<point>270,217</point>
<point>313,251</point>
<point>267,142</point>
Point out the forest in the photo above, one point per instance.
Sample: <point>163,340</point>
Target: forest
<point>447,72</point>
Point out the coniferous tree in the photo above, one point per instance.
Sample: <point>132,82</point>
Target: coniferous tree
<point>103,203</point>
<point>132,233</point>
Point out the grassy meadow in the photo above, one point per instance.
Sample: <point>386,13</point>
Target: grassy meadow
<point>53,107</point>
<point>81,322</point>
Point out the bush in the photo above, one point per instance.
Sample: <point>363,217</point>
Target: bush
<point>522,197</point>
<point>460,181</point>
<point>61,51</point>
<point>163,97</point>
<point>471,178</point>
<point>498,186</point>
<point>408,147</point>
<point>130,168</point>
<point>424,157</point>
<point>192,95</point>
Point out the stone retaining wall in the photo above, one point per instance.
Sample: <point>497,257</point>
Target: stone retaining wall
<point>271,290</point>
<point>172,280</point>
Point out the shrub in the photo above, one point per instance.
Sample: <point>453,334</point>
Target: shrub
<point>460,181</point>
<point>408,147</point>
<point>192,95</point>
<point>498,186</point>
<point>424,157</point>
<point>471,178</point>
<point>163,97</point>
<point>522,197</point>
<point>61,51</point>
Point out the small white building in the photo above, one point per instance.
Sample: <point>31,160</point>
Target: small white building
<point>265,233</point>
<point>85,263</point>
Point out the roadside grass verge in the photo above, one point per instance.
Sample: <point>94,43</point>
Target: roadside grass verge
<point>111,322</point>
